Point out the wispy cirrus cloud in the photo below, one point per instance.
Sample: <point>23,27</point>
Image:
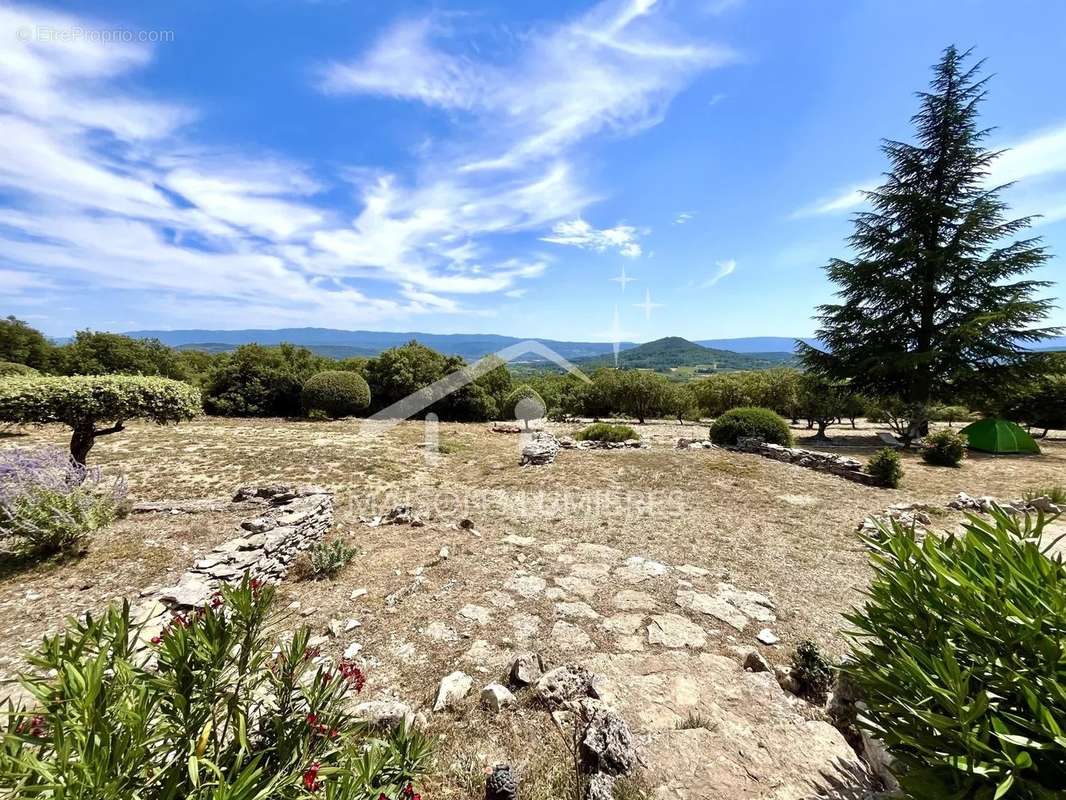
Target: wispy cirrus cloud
<point>114,191</point>
<point>578,233</point>
<point>1038,158</point>
<point>724,270</point>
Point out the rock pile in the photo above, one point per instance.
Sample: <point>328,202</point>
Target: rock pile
<point>568,443</point>
<point>963,502</point>
<point>400,515</point>
<point>684,443</point>
<point>540,449</point>
<point>909,515</point>
<point>292,519</point>
<point>848,468</point>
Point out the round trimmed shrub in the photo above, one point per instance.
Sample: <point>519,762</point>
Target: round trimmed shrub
<point>8,368</point>
<point>886,466</point>
<point>740,423</point>
<point>944,449</point>
<point>524,403</point>
<point>335,393</point>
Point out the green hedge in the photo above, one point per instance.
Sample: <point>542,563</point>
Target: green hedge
<point>335,393</point>
<point>738,423</point>
<point>944,448</point>
<point>10,368</point>
<point>886,466</point>
<point>606,432</point>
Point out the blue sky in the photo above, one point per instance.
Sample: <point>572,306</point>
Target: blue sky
<point>479,167</point>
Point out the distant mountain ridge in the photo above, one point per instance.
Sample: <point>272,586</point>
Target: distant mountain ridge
<point>671,352</point>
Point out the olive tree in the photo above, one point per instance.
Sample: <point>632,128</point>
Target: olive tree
<point>95,405</point>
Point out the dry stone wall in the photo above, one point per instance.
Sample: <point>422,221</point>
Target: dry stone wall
<point>289,520</point>
<point>845,467</point>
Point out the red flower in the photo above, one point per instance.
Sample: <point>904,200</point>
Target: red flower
<point>217,600</point>
<point>311,782</point>
<point>350,672</point>
<point>156,639</point>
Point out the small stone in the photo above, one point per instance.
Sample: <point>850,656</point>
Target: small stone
<point>351,625</point>
<point>453,688</point>
<point>693,572</point>
<point>495,697</point>
<point>352,650</point>
<point>466,524</point>
<point>443,553</point>
<point>499,599</point>
<point>384,713</point>
<point>754,662</point>
<point>335,627</point>
<point>526,669</point>
<point>357,593</point>
<point>767,637</point>
<point>519,541</point>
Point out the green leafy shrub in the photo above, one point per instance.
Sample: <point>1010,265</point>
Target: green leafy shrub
<point>960,656</point>
<point>9,368</point>
<point>324,560</point>
<point>606,432</point>
<point>950,414</point>
<point>215,707</point>
<point>944,448</point>
<point>812,673</point>
<point>336,393</point>
<point>886,466</point>
<point>85,401</point>
<point>257,381</point>
<point>738,423</point>
<point>524,403</point>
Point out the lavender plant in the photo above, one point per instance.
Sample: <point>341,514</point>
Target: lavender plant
<point>50,504</point>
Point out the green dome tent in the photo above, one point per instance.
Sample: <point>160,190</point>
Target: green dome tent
<point>999,436</point>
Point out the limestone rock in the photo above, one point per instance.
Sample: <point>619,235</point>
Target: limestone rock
<point>565,684</point>
<point>714,606</point>
<point>675,631</point>
<point>527,586</point>
<point>767,637</point>
<point>453,688</point>
<point>526,669</point>
<point>474,613</point>
<point>384,713</point>
<point>570,638</point>
<point>754,662</point>
<point>540,449</point>
<point>633,600</point>
<point>757,744</point>
<point>495,697</point>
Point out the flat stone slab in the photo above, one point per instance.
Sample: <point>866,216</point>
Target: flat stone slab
<point>582,587</point>
<point>527,586</point>
<point>638,569</point>
<point>675,631</point>
<point>623,623</point>
<point>633,600</point>
<point>569,637</point>
<point>474,613</point>
<point>713,606</point>
<point>751,741</point>
<point>576,610</point>
<point>525,626</point>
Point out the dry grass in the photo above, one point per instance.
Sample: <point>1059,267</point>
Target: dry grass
<point>770,527</point>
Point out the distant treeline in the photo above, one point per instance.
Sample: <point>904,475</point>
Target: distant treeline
<point>254,380</point>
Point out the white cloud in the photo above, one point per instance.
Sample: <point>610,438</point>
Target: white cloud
<point>1040,155</point>
<point>725,269</point>
<point>111,190</point>
<point>683,217</point>
<point>578,233</point>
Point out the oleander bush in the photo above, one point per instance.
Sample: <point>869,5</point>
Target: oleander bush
<point>738,423</point>
<point>886,466</point>
<point>960,657</point>
<point>606,432</point>
<point>944,448</point>
<point>50,504</point>
<point>335,393</point>
<point>215,707</point>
